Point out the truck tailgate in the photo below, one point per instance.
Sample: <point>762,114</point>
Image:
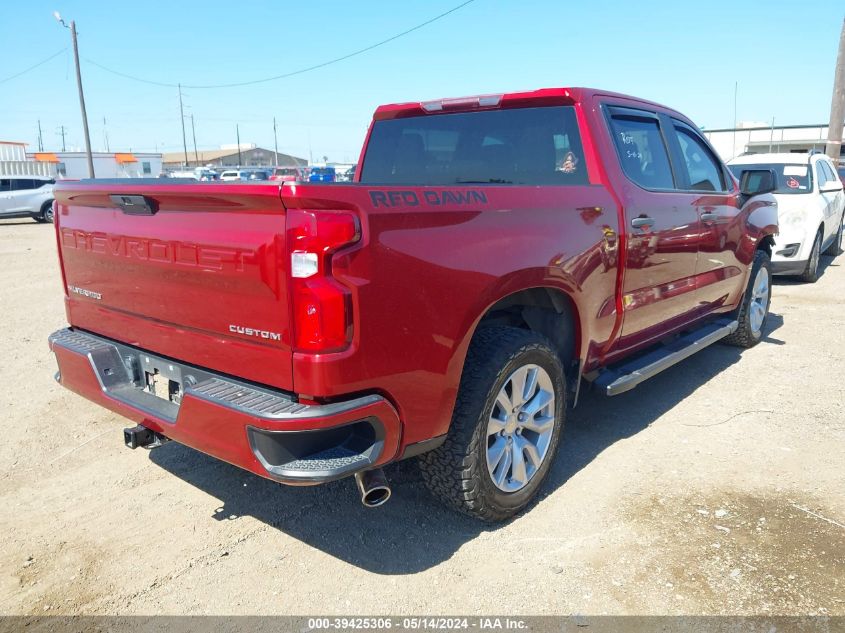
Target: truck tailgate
<point>195,272</point>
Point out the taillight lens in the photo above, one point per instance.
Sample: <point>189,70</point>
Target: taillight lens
<point>322,311</point>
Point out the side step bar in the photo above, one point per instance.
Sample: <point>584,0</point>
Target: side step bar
<point>624,377</point>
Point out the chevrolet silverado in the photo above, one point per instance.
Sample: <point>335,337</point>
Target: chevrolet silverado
<point>493,256</point>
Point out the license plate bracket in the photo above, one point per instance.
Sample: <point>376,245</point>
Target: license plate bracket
<point>161,378</point>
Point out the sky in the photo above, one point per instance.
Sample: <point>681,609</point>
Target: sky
<point>687,55</point>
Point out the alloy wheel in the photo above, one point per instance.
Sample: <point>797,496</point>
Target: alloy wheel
<point>520,427</point>
<point>759,301</point>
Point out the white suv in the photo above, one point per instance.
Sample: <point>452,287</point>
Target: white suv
<point>234,174</point>
<point>810,209</point>
<point>27,196</point>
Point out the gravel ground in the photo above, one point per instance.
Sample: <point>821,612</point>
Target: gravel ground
<point>716,487</point>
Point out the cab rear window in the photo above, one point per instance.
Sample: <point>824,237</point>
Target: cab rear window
<point>524,146</point>
<point>790,179</point>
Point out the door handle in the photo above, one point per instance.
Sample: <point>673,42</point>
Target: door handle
<point>642,222</point>
<point>709,217</point>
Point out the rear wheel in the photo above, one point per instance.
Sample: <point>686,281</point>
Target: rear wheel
<point>754,309</point>
<point>46,213</point>
<point>811,272</point>
<point>835,247</point>
<point>506,426</point>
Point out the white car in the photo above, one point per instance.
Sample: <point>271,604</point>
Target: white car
<point>234,174</point>
<point>27,197</point>
<point>810,209</point>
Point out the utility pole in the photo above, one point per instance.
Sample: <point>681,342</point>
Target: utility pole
<point>310,151</point>
<point>275,145</point>
<point>106,135</point>
<point>772,135</point>
<point>40,138</point>
<point>182,118</point>
<point>837,104</point>
<point>62,132</point>
<point>194,135</point>
<point>238,137</point>
<point>81,95</point>
<point>736,89</point>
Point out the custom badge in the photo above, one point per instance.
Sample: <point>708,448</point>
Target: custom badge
<point>569,164</point>
<point>792,183</point>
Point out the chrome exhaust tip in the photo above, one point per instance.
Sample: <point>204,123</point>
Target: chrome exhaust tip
<point>373,486</point>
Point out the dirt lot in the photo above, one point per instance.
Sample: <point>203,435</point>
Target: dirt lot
<point>716,487</point>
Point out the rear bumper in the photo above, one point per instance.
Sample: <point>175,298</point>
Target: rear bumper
<point>262,430</point>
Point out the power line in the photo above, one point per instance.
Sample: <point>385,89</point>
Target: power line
<point>290,74</point>
<point>33,67</point>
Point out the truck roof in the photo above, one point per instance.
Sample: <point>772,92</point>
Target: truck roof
<point>522,99</point>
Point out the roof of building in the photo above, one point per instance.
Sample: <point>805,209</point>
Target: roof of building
<point>773,157</point>
<point>208,155</point>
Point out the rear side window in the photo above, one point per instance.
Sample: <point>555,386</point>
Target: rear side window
<point>642,151</point>
<point>703,170</point>
<point>521,146</point>
<point>22,184</point>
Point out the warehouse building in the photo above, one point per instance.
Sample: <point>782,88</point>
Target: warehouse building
<point>74,165</point>
<point>758,138</point>
<point>16,161</point>
<point>229,156</point>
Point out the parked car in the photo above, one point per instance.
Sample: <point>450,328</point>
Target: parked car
<point>811,204</point>
<point>287,174</point>
<point>259,174</point>
<point>322,174</point>
<point>448,306</point>
<point>234,174</point>
<point>27,196</point>
<point>348,175</point>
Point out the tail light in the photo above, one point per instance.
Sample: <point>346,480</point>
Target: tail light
<point>322,311</point>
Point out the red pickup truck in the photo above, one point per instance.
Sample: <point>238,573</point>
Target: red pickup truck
<point>493,255</point>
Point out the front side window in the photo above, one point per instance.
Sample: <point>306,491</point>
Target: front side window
<point>146,168</point>
<point>5,184</point>
<point>519,146</point>
<point>703,170</point>
<point>642,152</point>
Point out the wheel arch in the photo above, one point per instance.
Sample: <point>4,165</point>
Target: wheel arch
<point>766,243</point>
<point>547,310</point>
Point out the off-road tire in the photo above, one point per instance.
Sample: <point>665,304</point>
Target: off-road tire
<point>456,472</point>
<point>811,272</point>
<point>835,247</point>
<point>745,335</point>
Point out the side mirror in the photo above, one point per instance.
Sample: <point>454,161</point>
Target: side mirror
<point>756,181</point>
